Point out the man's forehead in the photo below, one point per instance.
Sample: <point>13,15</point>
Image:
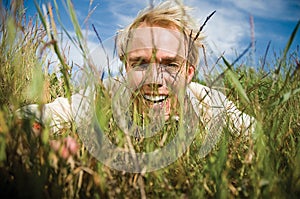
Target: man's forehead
<point>143,40</point>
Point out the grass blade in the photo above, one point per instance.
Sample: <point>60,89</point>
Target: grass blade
<point>231,75</point>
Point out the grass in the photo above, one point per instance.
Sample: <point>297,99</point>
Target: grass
<point>264,166</point>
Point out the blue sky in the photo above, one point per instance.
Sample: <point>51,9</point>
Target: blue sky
<point>228,30</point>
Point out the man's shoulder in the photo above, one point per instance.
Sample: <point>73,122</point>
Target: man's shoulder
<point>202,90</point>
<point>197,86</point>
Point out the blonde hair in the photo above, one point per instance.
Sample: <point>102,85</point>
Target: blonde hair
<point>168,14</point>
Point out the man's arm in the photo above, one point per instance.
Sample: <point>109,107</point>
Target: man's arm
<point>61,113</point>
<point>209,104</point>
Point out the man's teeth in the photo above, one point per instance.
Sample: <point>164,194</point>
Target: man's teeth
<point>155,98</point>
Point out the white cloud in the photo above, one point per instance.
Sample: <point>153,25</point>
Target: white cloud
<point>125,11</point>
<point>102,55</point>
<point>226,30</point>
<point>275,9</point>
<point>229,29</point>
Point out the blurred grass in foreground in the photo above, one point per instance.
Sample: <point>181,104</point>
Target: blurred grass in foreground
<point>265,166</point>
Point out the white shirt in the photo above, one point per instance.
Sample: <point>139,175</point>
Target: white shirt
<point>207,104</point>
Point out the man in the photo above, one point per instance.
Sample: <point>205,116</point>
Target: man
<point>160,52</point>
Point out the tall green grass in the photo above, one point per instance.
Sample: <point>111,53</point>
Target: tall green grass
<point>265,165</point>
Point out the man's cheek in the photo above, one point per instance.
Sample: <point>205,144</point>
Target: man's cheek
<point>135,80</point>
<point>175,83</point>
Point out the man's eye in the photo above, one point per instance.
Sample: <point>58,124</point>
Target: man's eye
<point>133,65</point>
<point>143,65</point>
<point>137,64</point>
<point>173,65</point>
<point>140,66</point>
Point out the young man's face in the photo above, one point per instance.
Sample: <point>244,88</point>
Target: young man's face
<point>158,70</point>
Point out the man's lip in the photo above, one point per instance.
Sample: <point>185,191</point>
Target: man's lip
<point>155,98</point>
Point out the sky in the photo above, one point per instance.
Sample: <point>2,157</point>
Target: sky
<point>228,31</point>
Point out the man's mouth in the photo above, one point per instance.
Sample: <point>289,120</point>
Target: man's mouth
<point>158,103</point>
<point>155,98</point>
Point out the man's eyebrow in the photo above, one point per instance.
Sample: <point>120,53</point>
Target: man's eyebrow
<point>166,59</point>
<point>137,58</point>
<point>171,59</point>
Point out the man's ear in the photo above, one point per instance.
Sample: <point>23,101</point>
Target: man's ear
<point>190,73</point>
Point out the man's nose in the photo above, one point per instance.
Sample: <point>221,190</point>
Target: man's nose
<point>155,75</point>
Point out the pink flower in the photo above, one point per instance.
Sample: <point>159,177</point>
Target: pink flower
<point>64,152</point>
<point>71,144</point>
<point>55,144</point>
<point>66,148</point>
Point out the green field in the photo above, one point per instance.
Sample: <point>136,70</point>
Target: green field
<point>266,165</point>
